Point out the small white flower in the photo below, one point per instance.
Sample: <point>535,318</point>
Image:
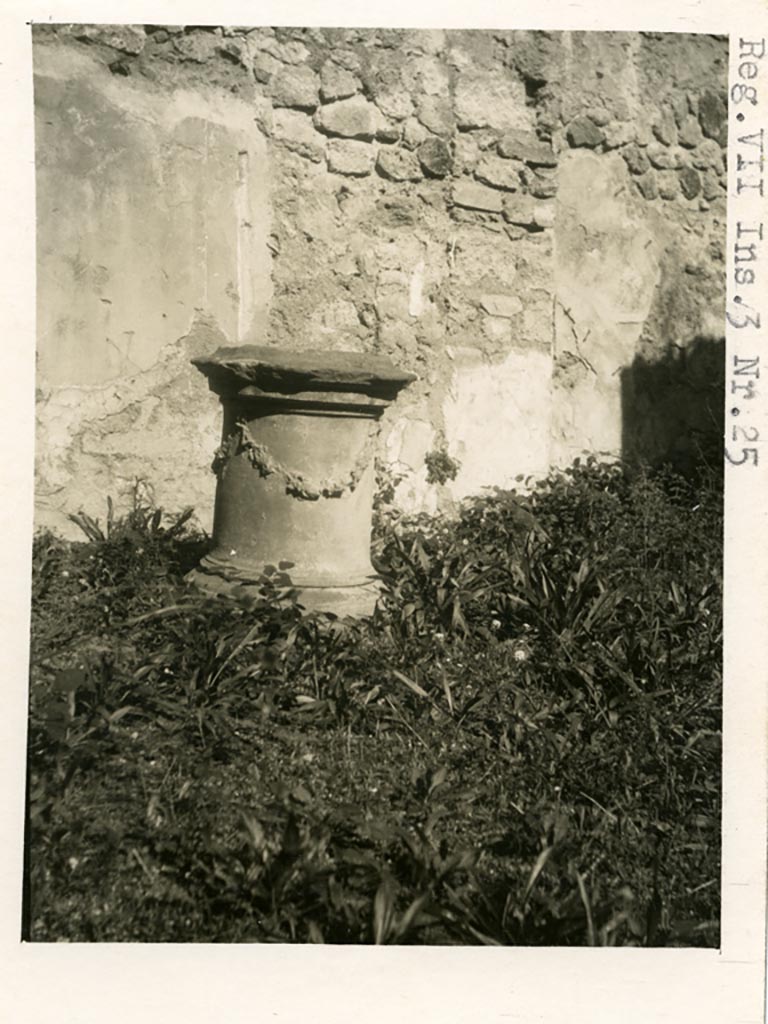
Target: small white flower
<point>65,573</point>
<point>520,654</point>
<point>495,624</point>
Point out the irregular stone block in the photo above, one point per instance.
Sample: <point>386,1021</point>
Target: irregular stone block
<point>527,147</point>
<point>385,87</point>
<point>346,156</point>
<point>520,210</point>
<point>679,104</point>
<point>414,133</point>
<point>598,115</point>
<point>384,129</point>
<point>265,66</point>
<point>294,129</point>
<point>435,157</point>
<point>669,185</point>
<point>643,133</point>
<point>690,134</point>
<point>710,184</point>
<point>712,113</point>
<point>708,154</point>
<point>196,46</point>
<point>540,185</point>
<point>297,87</point>
<point>126,38</point>
<point>396,104</point>
<point>536,55</point>
<point>466,153</point>
<point>491,100</point>
<point>582,132</point>
<point>426,75</point>
<point>499,173</point>
<point>436,114</point>
<point>347,59</point>
<point>619,133</point>
<point>635,159</point>
<point>398,165</point>
<point>665,129</point>
<point>292,52</point>
<point>690,182</point>
<point>647,185</point>
<point>236,51</point>
<point>477,197</point>
<point>660,156</point>
<point>336,83</point>
<point>352,118</point>
<point>501,305</point>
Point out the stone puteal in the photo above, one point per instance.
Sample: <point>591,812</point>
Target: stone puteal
<point>295,472</point>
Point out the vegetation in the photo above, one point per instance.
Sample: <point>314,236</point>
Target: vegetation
<point>522,746</point>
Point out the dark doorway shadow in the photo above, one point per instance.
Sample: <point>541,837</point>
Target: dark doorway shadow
<point>673,407</point>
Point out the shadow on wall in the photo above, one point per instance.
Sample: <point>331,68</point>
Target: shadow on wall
<point>673,407</point>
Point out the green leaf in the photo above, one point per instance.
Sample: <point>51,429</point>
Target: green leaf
<point>383,912</point>
<point>70,679</point>
<point>410,683</point>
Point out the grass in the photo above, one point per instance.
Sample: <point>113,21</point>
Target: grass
<point>522,746</point>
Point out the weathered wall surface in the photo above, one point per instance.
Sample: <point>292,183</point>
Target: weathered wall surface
<point>532,223</point>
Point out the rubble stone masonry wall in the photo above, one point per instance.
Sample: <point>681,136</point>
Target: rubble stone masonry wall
<point>531,222</point>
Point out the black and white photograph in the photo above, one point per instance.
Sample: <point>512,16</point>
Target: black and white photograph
<point>383,421</point>
<point>461,287</point>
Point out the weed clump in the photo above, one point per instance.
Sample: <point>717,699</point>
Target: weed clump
<point>522,746</point>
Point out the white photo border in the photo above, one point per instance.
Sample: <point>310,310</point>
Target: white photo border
<point>186,984</point>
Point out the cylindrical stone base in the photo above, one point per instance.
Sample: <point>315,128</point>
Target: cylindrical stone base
<point>295,475</point>
<point>358,601</point>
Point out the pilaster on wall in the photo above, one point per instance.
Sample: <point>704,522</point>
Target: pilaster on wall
<point>640,230</point>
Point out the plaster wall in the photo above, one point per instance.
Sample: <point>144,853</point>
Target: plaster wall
<point>531,222</point>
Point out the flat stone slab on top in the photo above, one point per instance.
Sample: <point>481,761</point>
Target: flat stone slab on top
<point>267,370</point>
